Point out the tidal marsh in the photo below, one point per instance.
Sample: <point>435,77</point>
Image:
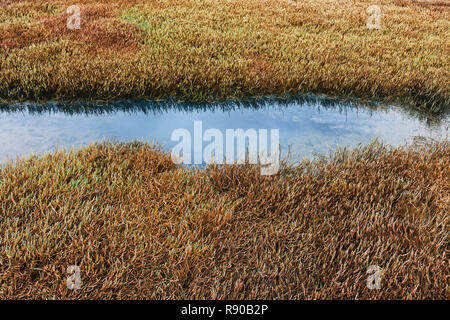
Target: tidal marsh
<point>139,227</point>
<point>207,50</point>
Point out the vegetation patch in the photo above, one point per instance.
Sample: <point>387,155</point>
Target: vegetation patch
<point>214,50</point>
<point>140,227</point>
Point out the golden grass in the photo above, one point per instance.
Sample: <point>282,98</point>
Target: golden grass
<point>214,49</point>
<point>140,227</point>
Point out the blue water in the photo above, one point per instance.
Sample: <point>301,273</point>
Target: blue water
<point>307,126</point>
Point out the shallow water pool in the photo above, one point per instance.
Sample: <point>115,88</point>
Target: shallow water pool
<point>307,126</point>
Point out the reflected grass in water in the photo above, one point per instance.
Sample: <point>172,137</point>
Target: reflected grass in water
<point>173,104</point>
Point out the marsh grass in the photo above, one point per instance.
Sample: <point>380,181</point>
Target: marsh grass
<point>140,227</point>
<point>207,50</point>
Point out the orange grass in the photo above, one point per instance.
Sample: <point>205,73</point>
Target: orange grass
<point>213,49</point>
<point>140,227</point>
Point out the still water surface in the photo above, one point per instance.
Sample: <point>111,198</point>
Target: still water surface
<point>307,125</point>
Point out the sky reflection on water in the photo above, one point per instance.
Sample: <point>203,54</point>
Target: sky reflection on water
<point>308,126</point>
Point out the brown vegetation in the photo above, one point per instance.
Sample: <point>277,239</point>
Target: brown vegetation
<point>140,227</point>
<point>208,50</point>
